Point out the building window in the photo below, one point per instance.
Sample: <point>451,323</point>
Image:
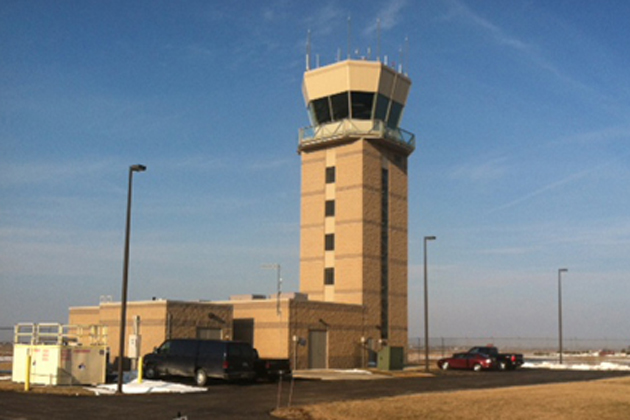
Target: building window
<point>340,106</point>
<point>330,174</point>
<point>321,110</point>
<point>394,115</point>
<point>329,276</point>
<point>362,103</point>
<point>330,242</point>
<point>330,207</point>
<point>382,105</point>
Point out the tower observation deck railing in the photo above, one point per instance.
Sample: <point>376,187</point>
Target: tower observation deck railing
<point>338,131</point>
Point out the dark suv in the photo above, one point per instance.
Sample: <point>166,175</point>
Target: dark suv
<point>201,359</point>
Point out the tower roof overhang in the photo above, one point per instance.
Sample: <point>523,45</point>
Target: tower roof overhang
<point>356,75</point>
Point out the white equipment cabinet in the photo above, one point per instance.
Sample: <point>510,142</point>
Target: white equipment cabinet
<point>51,354</point>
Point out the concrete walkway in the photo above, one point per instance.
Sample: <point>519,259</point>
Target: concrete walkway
<point>354,374</point>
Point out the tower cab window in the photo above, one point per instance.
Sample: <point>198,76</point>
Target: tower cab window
<point>356,104</point>
<point>340,106</point>
<point>362,105</point>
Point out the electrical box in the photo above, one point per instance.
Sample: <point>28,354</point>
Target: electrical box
<point>52,364</point>
<point>55,354</point>
<point>134,348</point>
<point>391,358</point>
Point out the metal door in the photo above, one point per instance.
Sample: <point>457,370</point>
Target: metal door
<point>317,349</point>
<point>243,330</point>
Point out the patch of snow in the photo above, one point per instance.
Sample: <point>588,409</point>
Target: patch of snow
<point>360,371</point>
<point>580,366</point>
<point>146,387</point>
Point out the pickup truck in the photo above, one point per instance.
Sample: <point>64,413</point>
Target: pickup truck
<point>504,361</point>
<point>271,369</point>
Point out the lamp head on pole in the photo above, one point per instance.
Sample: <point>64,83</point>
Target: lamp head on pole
<point>138,168</point>
<point>430,238</point>
<point>563,270</point>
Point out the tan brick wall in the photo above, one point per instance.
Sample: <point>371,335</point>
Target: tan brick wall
<point>271,329</point>
<point>155,322</point>
<point>345,327</point>
<point>357,228</point>
<point>184,318</point>
<point>84,315</point>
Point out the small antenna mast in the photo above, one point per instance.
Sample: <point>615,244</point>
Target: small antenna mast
<point>406,55</point>
<point>349,35</point>
<point>308,50</point>
<point>378,39</point>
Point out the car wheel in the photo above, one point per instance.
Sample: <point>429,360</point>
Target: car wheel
<point>201,377</point>
<point>150,372</point>
<point>477,367</point>
<point>445,366</point>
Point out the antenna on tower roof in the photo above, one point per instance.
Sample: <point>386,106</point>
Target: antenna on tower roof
<point>406,67</point>
<point>349,36</point>
<point>378,39</point>
<point>308,50</point>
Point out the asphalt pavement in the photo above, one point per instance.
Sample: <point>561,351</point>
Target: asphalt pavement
<point>256,401</point>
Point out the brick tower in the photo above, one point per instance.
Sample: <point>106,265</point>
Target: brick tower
<point>354,193</point>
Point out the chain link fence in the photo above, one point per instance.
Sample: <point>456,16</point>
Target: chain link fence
<point>444,346</point>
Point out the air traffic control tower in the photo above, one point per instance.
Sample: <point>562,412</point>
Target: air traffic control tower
<point>354,197</point>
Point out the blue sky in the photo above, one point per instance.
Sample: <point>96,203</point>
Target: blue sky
<point>520,110</point>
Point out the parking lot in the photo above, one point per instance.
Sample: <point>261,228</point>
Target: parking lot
<point>237,401</point>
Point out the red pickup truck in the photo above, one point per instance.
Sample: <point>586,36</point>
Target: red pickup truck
<point>504,361</point>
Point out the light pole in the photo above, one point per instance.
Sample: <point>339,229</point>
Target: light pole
<point>123,303</point>
<point>426,305</point>
<point>560,271</point>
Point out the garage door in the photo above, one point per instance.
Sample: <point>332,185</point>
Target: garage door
<point>209,333</point>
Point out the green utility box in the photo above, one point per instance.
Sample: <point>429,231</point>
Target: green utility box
<point>391,358</point>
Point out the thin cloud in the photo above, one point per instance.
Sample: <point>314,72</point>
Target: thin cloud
<point>389,17</point>
<point>481,172</point>
<point>320,22</point>
<point>529,51</point>
<point>598,136</point>
<point>546,188</point>
<point>461,10</point>
<point>33,173</point>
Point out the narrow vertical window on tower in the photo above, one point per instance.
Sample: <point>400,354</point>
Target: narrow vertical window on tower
<point>329,242</point>
<point>330,175</point>
<point>384,253</point>
<point>330,208</point>
<point>329,276</point>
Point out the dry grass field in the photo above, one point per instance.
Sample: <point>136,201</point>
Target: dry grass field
<point>605,399</point>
